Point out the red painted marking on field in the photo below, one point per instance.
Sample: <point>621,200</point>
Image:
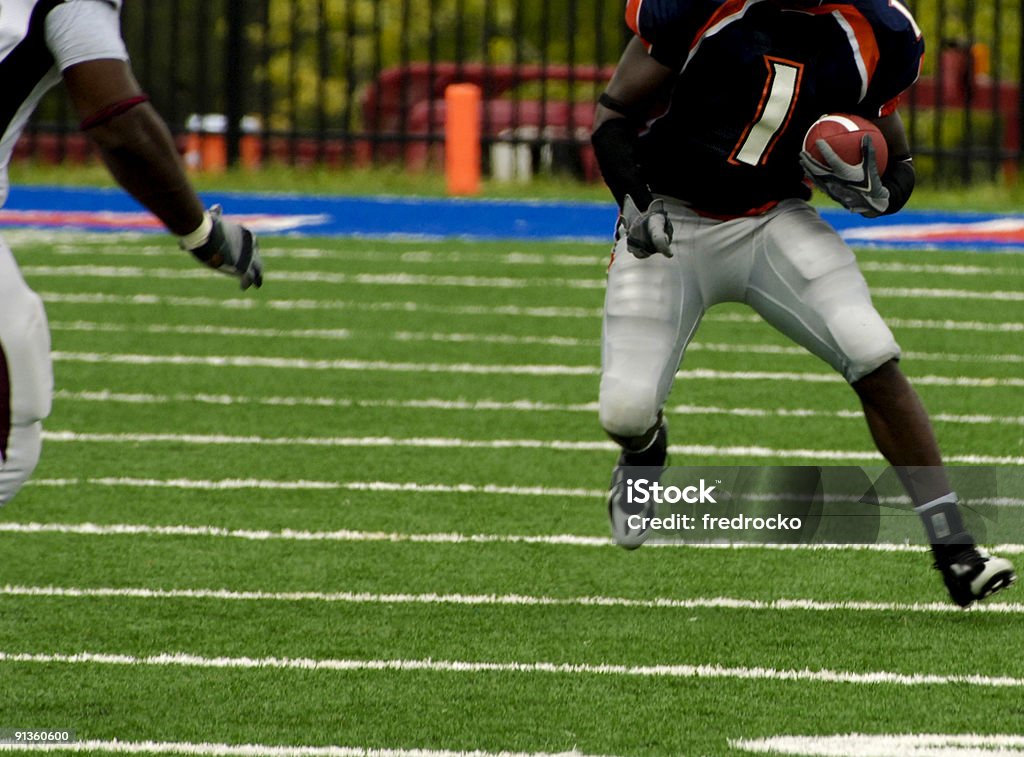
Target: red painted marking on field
<point>140,221</point>
<point>91,218</point>
<point>1003,230</point>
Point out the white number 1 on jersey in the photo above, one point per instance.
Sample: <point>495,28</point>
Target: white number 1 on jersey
<point>774,110</point>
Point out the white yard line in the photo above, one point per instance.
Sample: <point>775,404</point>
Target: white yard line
<point>447,258</point>
<point>951,269</point>
<point>206,330</point>
<point>416,257</point>
<point>545,369</point>
<point>427,280</point>
<point>256,361</point>
<point>180,659</point>
<point>524,405</point>
<point>574,540</point>
<point>502,600</point>
<point>464,338</point>
<point>924,293</point>
<point>231,484</point>
<point>315,277</point>
<point>690,450</point>
<point>1009,327</point>
<point>328,441</point>
<point>257,750</point>
<point>515,311</point>
<point>252,303</point>
<point>887,745</point>
<point>133,529</point>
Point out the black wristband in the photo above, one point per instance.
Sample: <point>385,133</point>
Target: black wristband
<point>616,143</point>
<point>630,112</point>
<point>899,180</point>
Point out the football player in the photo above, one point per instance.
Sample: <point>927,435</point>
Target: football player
<point>79,41</point>
<point>699,136</point>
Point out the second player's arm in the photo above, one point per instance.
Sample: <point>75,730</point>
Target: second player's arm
<point>639,81</point>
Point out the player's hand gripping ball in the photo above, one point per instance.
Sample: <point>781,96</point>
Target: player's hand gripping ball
<point>845,156</point>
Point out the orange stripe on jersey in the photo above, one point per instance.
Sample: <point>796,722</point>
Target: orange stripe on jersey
<point>864,43</point>
<point>633,15</point>
<point>890,107</point>
<point>725,10</point>
<point>633,20</point>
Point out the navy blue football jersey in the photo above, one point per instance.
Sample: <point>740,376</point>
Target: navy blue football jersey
<point>753,76</point>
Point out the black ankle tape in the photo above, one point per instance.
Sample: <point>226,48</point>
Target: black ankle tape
<point>943,522</point>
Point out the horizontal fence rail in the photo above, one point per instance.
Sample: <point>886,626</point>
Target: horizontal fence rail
<point>342,83</point>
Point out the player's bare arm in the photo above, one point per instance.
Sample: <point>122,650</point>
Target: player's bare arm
<point>637,83</point>
<point>138,149</point>
<point>133,141</point>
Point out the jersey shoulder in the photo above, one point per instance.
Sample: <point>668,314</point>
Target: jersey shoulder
<point>889,16</point>
<point>667,27</point>
<point>900,50</point>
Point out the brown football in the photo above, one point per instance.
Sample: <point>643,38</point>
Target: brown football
<point>844,134</point>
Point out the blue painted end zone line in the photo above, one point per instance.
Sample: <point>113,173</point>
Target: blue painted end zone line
<point>432,219</point>
<point>379,217</point>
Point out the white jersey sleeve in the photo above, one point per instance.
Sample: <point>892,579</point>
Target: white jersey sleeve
<point>83,30</point>
<point>38,40</point>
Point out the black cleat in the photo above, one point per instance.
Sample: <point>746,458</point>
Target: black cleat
<point>619,510</point>
<point>975,574</point>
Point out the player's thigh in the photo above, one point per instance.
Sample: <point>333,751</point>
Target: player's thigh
<point>25,341</point>
<point>805,282</point>
<point>652,307</point>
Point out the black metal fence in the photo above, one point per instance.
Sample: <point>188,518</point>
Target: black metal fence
<point>361,82</point>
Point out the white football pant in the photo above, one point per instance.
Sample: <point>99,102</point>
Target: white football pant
<point>789,265</point>
<point>26,376</point>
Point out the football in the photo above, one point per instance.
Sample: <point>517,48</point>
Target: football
<point>844,134</point>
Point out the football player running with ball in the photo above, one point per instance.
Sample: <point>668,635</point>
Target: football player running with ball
<point>699,136</point>
<point>79,41</point>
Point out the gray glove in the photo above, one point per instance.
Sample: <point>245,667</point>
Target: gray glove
<point>856,187</point>
<point>231,248</point>
<point>647,233</point>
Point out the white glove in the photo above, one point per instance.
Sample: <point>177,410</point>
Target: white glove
<point>647,233</point>
<point>857,187</point>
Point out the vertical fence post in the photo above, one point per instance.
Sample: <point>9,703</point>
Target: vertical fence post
<point>234,87</point>
<point>1019,157</point>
